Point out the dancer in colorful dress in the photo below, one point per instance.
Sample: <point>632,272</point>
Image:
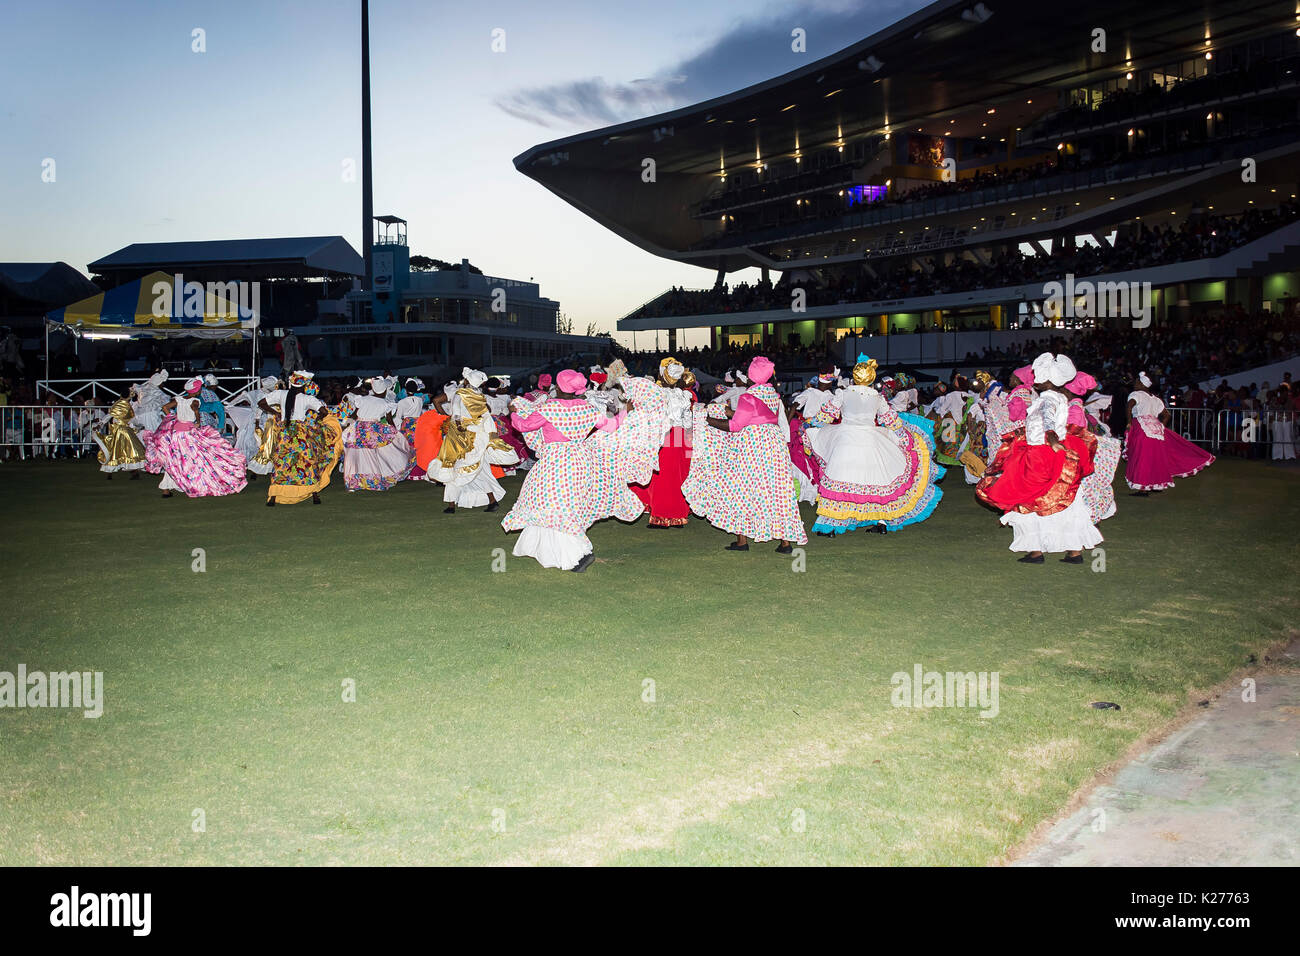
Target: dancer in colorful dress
<point>376,455</point>
<point>120,449</point>
<point>662,497</point>
<point>1036,485</point>
<point>211,410</point>
<point>905,397</point>
<point>470,447</point>
<point>192,457</point>
<point>950,412</point>
<point>560,496</point>
<point>309,444</point>
<point>496,392</point>
<point>411,401</point>
<point>1098,488</point>
<point>878,471</point>
<point>741,483</point>
<point>1156,454</point>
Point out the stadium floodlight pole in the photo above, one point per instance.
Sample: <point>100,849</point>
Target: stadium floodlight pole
<point>367,182</point>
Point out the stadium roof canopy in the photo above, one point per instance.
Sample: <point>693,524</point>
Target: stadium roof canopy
<point>940,70</point>
<point>234,259</point>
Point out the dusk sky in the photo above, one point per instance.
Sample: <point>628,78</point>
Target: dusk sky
<point>154,142</point>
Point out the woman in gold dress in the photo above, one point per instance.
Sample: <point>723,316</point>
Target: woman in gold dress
<point>120,449</point>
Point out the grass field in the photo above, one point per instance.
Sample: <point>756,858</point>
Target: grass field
<point>500,717</point>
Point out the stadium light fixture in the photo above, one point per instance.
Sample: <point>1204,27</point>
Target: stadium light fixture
<point>1128,75</point>
<point>1060,146</point>
<point>1130,132</point>
<point>788,108</point>
<point>991,111</point>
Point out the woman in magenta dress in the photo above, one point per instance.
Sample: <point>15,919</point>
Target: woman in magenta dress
<point>1156,454</point>
<point>192,458</point>
<point>662,497</point>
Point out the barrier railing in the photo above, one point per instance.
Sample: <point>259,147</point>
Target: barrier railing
<point>47,431</point>
<point>1196,425</point>
<point>107,390</point>
<point>1256,433</point>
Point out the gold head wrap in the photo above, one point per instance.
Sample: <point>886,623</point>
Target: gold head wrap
<point>663,371</point>
<point>864,373</point>
<point>983,379</point>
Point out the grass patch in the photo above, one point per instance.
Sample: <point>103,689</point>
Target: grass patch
<point>499,716</point>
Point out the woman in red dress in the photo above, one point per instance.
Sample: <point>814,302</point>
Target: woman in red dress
<point>662,497</point>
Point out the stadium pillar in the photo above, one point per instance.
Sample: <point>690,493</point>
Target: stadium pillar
<point>367,182</point>
<point>672,341</point>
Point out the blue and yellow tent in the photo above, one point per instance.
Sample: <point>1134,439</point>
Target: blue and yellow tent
<point>151,308</point>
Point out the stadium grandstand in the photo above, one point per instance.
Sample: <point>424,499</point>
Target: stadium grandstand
<point>954,173</point>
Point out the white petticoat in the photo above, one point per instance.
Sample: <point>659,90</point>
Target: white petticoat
<point>552,549</point>
<point>1068,530</point>
<point>474,493</point>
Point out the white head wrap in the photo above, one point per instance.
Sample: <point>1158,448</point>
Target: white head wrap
<point>729,378</point>
<point>1043,367</point>
<point>269,381</point>
<point>473,377</point>
<point>158,379</point>
<point>1145,379</point>
<point>1062,370</point>
<point>210,379</point>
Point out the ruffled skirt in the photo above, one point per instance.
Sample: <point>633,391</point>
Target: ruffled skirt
<point>376,456</point>
<point>194,459</point>
<point>870,477</point>
<point>1154,463</point>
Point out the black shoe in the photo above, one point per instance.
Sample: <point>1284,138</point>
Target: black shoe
<point>135,475</point>
<point>166,494</point>
<point>878,529</point>
<point>585,563</point>
<point>109,476</point>
<point>449,510</point>
<point>270,502</point>
<point>315,498</point>
<point>492,507</point>
<point>1077,559</point>
<point>1030,559</point>
<point>826,534</point>
<point>1140,494</point>
<point>737,547</point>
<point>784,549</point>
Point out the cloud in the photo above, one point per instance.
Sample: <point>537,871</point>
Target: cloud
<point>754,50</point>
<point>592,102</point>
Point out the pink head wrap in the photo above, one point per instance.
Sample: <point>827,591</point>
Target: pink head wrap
<point>761,370</point>
<point>1026,375</point>
<point>543,381</point>
<point>751,410</point>
<point>570,381</point>
<point>1081,384</point>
